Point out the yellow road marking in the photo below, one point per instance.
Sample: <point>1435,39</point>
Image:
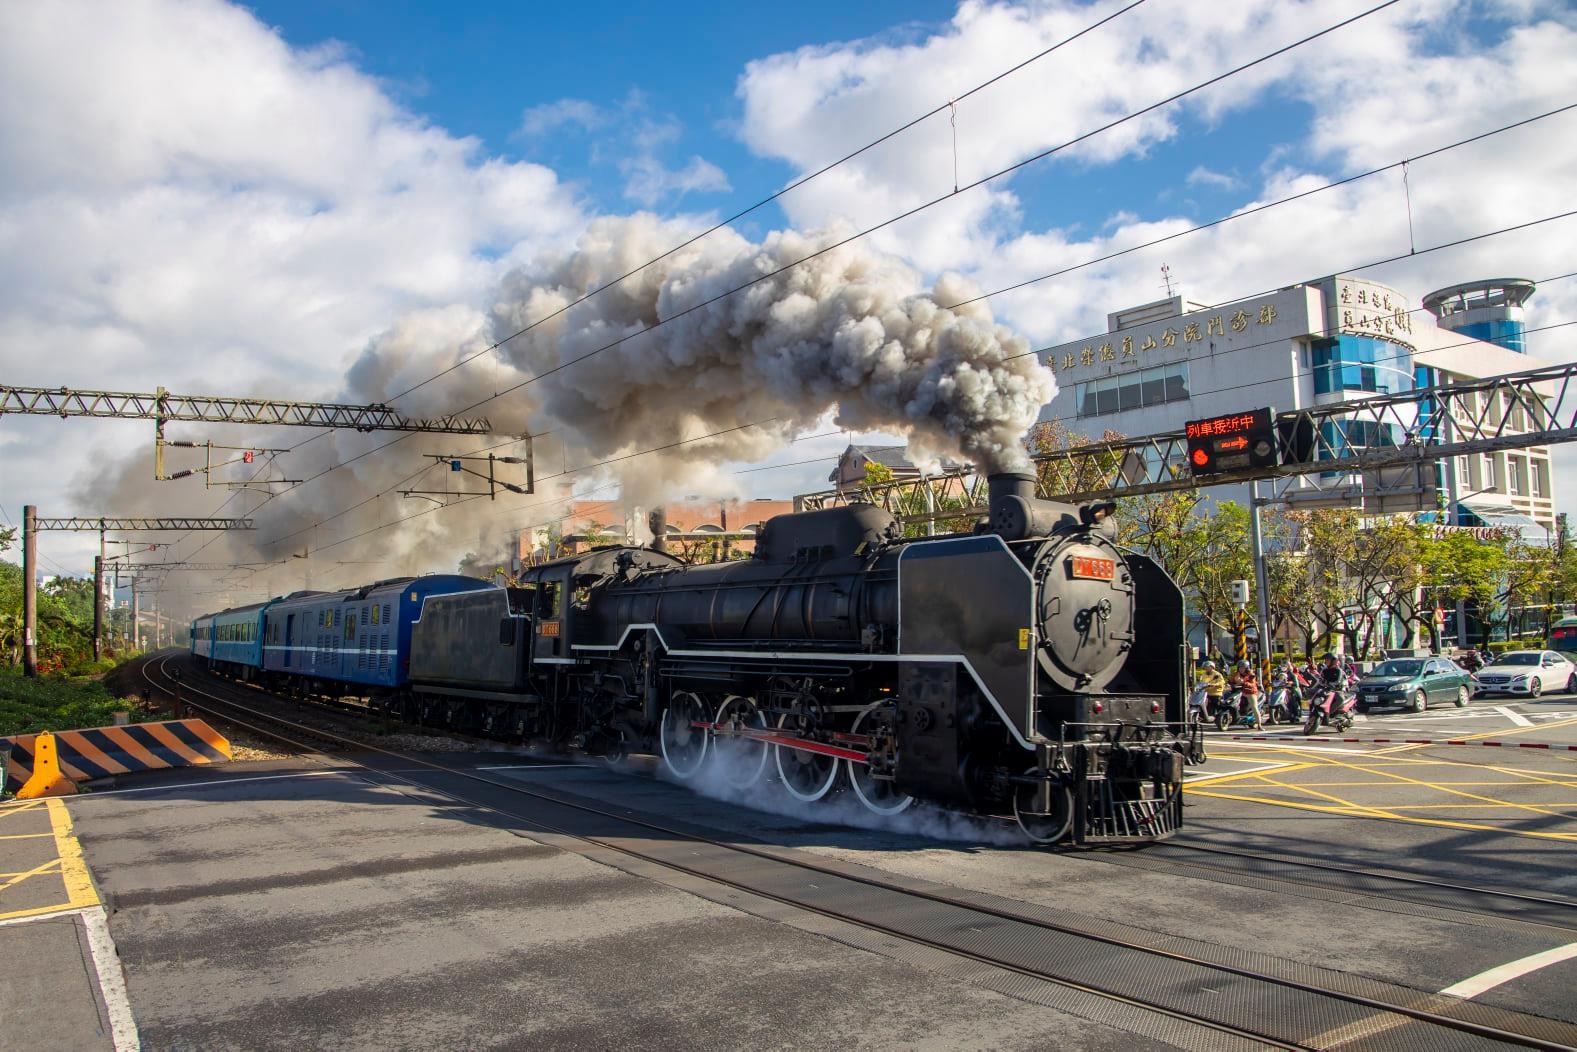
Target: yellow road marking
<point>1520,730</point>
<point>52,866</point>
<point>79,883</point>
<point>1376,813</point>
<point>1296,787</point>
<point>1450,792</point>
<point>1467,807</point>
<point>20,806</point>
<point>1217,779</point>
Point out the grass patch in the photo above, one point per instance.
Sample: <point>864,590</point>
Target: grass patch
<point>55,703</point>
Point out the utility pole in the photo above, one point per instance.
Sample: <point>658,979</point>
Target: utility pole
<point>136,641</point>
<point>30,590</point>
<point>98,603</point>
<point>1257,538</point>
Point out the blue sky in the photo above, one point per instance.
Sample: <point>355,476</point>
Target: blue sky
<point>336,200</point>
<point>477,74</point>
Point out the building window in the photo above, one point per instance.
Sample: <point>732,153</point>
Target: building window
<point>1536,478</point>
<point>1125,391</point>
<point>1463,475</point>
<point>1360,363</point>
<point>1488,469</point>
<point>1514,476</point>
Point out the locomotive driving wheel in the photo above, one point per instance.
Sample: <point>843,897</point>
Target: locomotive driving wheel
<point>877,794</point>
<point>683,744</point>
<point>739,761</point>
<point>808,776</point>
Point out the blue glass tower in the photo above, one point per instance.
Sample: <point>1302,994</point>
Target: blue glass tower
<point>1488,310</point>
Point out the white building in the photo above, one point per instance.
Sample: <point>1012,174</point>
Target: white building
<point>1342,338</point>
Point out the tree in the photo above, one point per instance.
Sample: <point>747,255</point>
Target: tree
<point>1203,549</point>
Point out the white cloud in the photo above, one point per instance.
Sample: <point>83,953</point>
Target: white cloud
<point>648,182</point>
<point>1202,176</point>
<point>1397,83</point>
<point>550,116</point>
<point>186,200</point>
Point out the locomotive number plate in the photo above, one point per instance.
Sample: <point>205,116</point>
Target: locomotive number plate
<point>549,629</point>
<point>1092,568</point>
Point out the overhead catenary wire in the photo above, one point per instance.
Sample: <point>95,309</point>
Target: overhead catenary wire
<point>933,202</point>
<point>742,213</point>
<point>950,105</point>
<point>1409,255</point>
<point>915,210</point>
<point>998,292</point>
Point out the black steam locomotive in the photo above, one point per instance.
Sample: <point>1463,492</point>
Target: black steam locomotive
<point>1031,668</point>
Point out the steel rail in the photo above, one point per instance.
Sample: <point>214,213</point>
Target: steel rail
<point>1409,1012</point>
<point>1373,874</point>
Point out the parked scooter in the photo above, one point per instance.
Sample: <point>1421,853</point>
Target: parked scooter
<point>1332,707</point>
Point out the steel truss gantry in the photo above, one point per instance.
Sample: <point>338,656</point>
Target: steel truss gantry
<point>214,409</point>
<point>1391,435</point>
<point>32,525</point>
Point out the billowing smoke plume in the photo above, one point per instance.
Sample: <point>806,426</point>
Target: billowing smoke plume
<point>851,333</point>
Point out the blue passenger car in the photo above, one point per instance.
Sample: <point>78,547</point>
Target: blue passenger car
<point>353,641</point>
<point>202,636</point>
<point>236,644</point>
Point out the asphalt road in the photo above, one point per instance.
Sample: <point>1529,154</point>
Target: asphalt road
<point>265,905</point>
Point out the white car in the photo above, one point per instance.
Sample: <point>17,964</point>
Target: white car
<point>1529,672</point>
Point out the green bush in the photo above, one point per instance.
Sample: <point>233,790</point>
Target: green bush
<point>54,703</point>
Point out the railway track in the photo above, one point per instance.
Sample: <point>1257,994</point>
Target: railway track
<point>1366,888</point>
<point>1190,993</point>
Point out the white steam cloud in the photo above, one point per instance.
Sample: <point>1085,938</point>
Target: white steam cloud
<point>726,770</point>
<point>852,334</point>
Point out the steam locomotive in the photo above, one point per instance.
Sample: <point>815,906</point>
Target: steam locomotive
<point>1030,668</point>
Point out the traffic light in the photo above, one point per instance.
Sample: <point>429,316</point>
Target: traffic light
<point>1233,442</point>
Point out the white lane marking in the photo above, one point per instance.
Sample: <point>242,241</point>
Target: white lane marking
<point>112,981</point>
<point>1191,778</point>
<point>1515,717</point>
<point>1477,984</point>
<point>1290,743</point>
<point>70,912</point>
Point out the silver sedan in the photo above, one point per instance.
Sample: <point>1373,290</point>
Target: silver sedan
<point>1529,673</point>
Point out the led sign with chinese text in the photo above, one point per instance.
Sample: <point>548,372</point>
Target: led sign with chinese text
<point>1231,443</point>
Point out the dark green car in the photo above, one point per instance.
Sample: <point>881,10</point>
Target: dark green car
<point>1414,683</point>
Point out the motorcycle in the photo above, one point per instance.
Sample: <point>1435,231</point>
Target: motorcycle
<point>1235,711</point>
<point>1333,707</point>
<point>1285,702</point>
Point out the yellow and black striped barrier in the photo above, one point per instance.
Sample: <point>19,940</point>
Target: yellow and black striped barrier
<point>99,752</point>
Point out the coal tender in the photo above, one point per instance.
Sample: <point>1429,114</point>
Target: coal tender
<point>1030,669</point>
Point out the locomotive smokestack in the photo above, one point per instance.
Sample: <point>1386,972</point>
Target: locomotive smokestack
<point>1014,512</point>
<point>658,522</point>
<point>1010,484</point>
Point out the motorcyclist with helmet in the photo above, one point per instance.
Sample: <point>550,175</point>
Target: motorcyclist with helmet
<point>1214,682</point>
<point>1243,679</point>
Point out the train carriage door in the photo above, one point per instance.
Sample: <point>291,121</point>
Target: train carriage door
<point>550,627</point>
<point>290,638</point>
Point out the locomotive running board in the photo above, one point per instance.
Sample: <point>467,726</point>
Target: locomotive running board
<point>770,737</point>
